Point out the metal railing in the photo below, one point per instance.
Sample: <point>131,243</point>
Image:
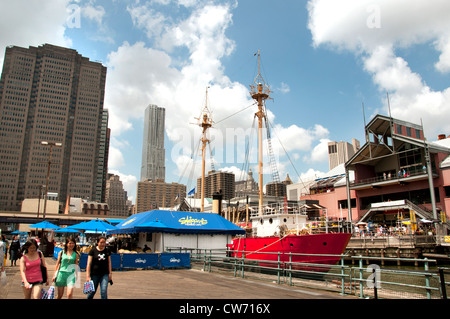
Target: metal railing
<point>365,280</point>
<point>386,241</point>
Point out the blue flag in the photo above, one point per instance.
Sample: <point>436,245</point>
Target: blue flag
<point>192,192</point>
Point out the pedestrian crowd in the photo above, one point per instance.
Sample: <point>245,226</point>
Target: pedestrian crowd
<point>35,274</point>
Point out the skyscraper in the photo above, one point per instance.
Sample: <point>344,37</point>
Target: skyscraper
<point>116,197</point>
<point>341,152</point>
<point>53,95</point>
<point>157,194</point>
<point>218,182</point>
<point>103,155</point>
<point>153,152</point>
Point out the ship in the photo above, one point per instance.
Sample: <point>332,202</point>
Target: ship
<point>284,234</point>
<point>289,237</point>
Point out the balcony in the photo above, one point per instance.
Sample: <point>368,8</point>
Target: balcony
<point>388,180</point>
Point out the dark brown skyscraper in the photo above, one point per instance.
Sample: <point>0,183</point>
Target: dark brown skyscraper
<point>49,94</point>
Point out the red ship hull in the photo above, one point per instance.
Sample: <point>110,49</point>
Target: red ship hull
<point>272,248</point>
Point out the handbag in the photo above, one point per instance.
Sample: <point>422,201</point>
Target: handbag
<point>43,269</point>
<point>88,287</point>
<point>50,293</point>
<point>43,293</point>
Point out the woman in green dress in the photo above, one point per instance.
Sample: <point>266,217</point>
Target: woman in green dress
<point>66,269</point>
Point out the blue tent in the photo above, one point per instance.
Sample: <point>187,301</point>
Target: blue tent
<point>176,222</point>
<point>96,225</point>
<point>44,225</point>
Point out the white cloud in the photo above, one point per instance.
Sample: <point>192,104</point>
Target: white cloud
<point>284,88</point>
<point>94,13</point>
<point>310,174</point>
<point>374,30</point>
<point>115,158</point>
<point>144,17</point>
<point>31,23</point>
<point>319,153</point>
<point>139,75</point>
<point>295,138</point>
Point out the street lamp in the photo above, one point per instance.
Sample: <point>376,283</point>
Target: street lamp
<point>50,144</point>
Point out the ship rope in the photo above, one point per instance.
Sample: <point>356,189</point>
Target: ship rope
<point>226,118</point>
<point>281,238</point>
<point>246,164</point>
<point>191,161</point>
<point>287,154</point>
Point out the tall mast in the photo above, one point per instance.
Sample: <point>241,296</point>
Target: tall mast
<point>260,92</point>
<point>205,123</point>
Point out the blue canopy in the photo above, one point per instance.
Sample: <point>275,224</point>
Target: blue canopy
<point>176,222</point>
<point>96,225</point>
<point>66,230</point>
<point>19,232</point>
<point>114,221</point>
<point>45,225</point>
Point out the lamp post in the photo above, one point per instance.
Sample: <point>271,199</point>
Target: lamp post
<point>50,144</point>
<point>39,200</point>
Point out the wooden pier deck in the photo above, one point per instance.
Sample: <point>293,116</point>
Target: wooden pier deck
<point>177,284</point>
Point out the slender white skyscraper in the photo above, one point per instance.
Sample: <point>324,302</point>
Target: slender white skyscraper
<point>153,152</point>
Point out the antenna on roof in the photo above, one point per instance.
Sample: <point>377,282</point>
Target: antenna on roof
<point>365,125</point>
<point>389,104</point>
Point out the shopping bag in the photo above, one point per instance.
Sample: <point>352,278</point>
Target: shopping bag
<point>50,293</point>
<point>88,287</point>
<point>43,293</point>
<point>3,278</point>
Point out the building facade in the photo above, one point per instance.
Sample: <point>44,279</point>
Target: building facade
<point>158,194</point>
<point>341,152</point>
<point>53,95</point>
<point>153,152</point>
<point>278,189</point>
<point>217,182</point>
<point>247,187</point>
<point>103,155</point>
<point>116,197</point>
<point>395,172</point>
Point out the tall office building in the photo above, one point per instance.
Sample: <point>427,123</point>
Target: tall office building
<point>217,182</point>
<point>53,95</point>
<point>116,197</point>
<point>153,152</point>
<point>103,155</point>
<point>157,194</point>
<point>341,152</point>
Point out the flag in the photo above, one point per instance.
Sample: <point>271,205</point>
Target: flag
<point>191,192</point>
<point>178,195</point>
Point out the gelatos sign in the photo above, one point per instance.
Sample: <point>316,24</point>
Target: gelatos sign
<point>189,221</point>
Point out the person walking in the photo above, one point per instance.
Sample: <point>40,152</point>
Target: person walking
<point>30,270</point>
<point>98,268</point>
<point>66,269</point>
<point>14,250</point>
<point>3,252</point>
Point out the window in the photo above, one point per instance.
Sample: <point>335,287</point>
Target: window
<point>332,149</point>
<point>447,191</point>
<point>343,203</point>
<point>408,131</point>
<point>418,133</point>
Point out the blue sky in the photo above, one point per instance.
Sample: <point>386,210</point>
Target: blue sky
<point>322,59</point>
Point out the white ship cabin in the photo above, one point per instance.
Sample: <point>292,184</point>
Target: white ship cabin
<point>278,224</point>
